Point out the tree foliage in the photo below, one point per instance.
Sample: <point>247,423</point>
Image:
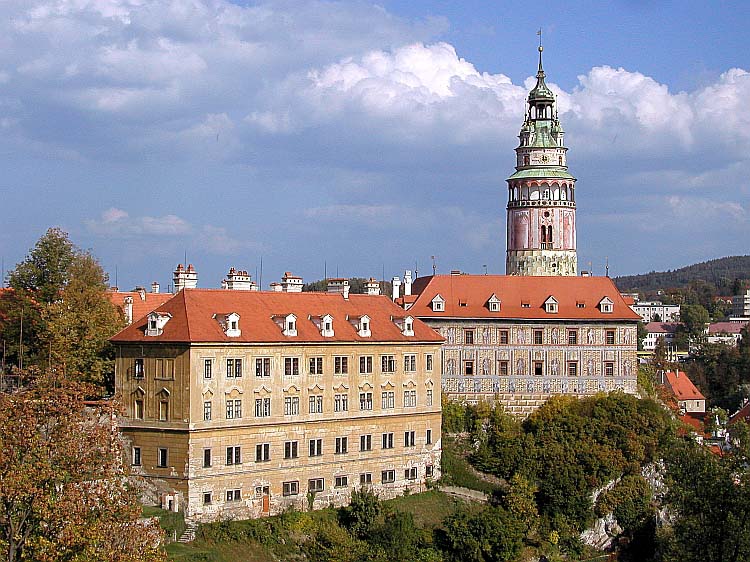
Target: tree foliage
<point>57,312</point>
<point>62,491</point>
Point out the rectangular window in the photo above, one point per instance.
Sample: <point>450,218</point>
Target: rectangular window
<point>206,498</point>
<point>572,369</point>
<point>342,481</point>
<point>138,409</point>
<point>290,488</point>
<point>429,471</point>
<point>411,473</point>
<point>538,368</point>
<point>340,365</point>
<point>468,368</point>
<point>316,485</point>
<point>290,450</point>
<point>207,410</point>
<point>234,368</point>
<point>163,410</point>
<point>428,437</point>
<point>410,362</point>
<point>138,370</point>
<point>572,337</point>
<point>291,366</point>
<point>234,495</point>
<point>234,409</point>
<point>609,369</point>
<point>262,452</point>
<point>206,458</point>
<point>387,399</point>
<point>410,398</point>
<point>262,407</point>
<point>341,403</point>
<point>316,447</point>
<point>428,362</point>
<point>429,397</point>
<point>409,439</point>
<point>365,364</point>
<point>208,367</point>
<point>291,405</point>
<point>136,456</point>
<point>316,365</point>
<point>365,400</point>
<point>503,337</point>
<point>263,367</point>
<point>365,478</point>
<point>387,441</point>
<point>469,337</point>
<point>388,476</point>
<point>234,455</point>
<point>502,368</point>
<point>538,337</point>
<point>162,458</point>
<point>342,445</point>
<point>365,442</point>
<point>316,404</point>
<point>387,364</point>
<point>610,337</point>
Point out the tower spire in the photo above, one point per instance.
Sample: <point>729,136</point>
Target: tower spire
<point>541,70</point>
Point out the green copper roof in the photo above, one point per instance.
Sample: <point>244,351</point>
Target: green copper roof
<point>532,173</point>
<point>541,91</point>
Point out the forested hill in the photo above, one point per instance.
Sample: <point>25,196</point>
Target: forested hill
<point>720,272</point>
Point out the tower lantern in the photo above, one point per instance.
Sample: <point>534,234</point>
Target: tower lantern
<point>541,231</point>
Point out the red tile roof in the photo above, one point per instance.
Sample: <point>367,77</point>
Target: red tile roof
<point>662,327</point>
<point>726,327</point>
<point>742,415</point>
<point>192,318</point>
<point>682,387</point>
<point>466,296</point>
<point>143,302</point>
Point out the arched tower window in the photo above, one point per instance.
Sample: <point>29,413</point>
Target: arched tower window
<point>526,160</point>
<point>560,160</point>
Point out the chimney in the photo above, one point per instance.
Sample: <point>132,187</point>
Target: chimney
<point>185,278</point>
<point>128,309</point>
<point>373,287</point>
<point>155,287</point>
<point>346,291</point>
<point>238,280</point>
<point>291,283</point>
<point>276,287</point>
<point>339,285</point>
<point>141,292</point>
<point>396,286</point>
<point>407,282</point>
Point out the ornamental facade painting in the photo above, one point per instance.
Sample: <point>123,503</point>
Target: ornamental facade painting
<point>521,229</point>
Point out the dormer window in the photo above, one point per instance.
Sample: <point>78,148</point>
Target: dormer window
<point>550,305</point>
<point>438,304</point>
<point>326,326</point>
<point>525,304</point>
<point>493,303</point>
<point>290,325</point>
<point>405,324</point>
<point>580,304</point>
<point>364,327</point>
<point>230,324</point>
<point>606,305</point>
<point>156,322</point>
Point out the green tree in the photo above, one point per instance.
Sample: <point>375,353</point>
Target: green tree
<point>362,512</point>
<point>62,494</point>
<point>490,535</point>
<point>46,270</point>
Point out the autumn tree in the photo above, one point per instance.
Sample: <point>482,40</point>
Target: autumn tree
<point>63,495</point>
<point>80,323</point>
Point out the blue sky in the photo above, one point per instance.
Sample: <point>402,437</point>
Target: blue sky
<point>364,138</point>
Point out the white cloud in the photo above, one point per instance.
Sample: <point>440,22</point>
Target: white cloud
<point>118,223</point>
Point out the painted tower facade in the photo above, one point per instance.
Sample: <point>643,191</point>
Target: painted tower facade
<point>541,222</point>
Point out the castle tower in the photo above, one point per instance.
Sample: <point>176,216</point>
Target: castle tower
<point>541,225</point>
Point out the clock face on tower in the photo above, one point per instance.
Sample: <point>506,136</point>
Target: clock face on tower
<point>544,158</point>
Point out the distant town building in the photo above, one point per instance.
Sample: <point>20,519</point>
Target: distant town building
<point>246,403</point>
<point>656,330</point>
<point>741,305</point>
<point>652,311</point>
<point>688,398</point>
<point>728,333</point>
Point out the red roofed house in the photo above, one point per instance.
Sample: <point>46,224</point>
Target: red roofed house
<point>687,396</point>
<point>656,330</point>
<point>728,333</point>
<point>244,403</point>
<point>521,339</point>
